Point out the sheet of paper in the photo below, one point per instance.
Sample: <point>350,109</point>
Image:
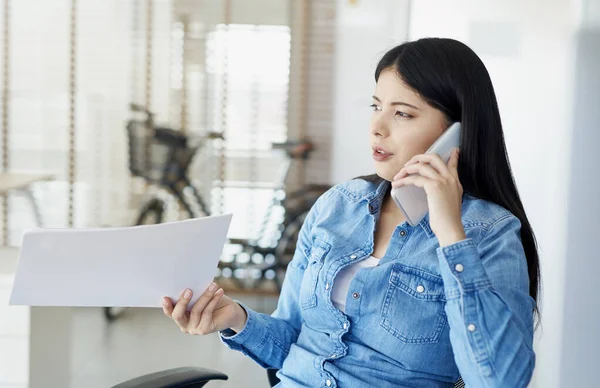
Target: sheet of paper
<point>130,266</point>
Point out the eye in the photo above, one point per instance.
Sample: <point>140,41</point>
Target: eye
<point>403,115</point>
<point>375,107</point>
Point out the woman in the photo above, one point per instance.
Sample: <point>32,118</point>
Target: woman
<point>369,300</point>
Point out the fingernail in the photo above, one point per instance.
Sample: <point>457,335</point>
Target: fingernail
<point>212,287</point>
<point>164,302</point>
<point>187,294</point>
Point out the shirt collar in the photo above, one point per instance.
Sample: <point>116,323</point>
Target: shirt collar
<point>375,199</point>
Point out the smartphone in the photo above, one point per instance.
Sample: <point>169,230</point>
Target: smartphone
<point>412,200</point>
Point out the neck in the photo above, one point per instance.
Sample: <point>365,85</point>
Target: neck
<point>389,209</point>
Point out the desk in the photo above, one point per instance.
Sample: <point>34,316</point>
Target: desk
<point>40,338</point>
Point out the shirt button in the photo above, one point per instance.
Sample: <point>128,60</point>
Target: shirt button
<point>345,326</point>
<point>420,289</point>
<point>333,355</point>
<point>355,295</point>
<point>353,257</point>
<point>403,233</point>
<point>471,327</point>
<point>327,286</point>
<point>328,382</point>
<point>459,268</point>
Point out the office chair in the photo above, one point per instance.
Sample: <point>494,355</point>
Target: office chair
<point>193,377</point>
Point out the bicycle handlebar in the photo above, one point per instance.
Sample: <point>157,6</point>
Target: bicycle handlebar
<point>295,149</point>
<point>139,108</point>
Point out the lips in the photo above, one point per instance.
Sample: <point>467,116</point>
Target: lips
<point>380,154</point>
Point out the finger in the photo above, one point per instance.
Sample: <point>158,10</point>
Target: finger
<point>167,306</point>
<point>453,162</point>
<point>415,180</point>
<point>435,160</point>
<point>179,312</point>
<point>401,174</point>
<point>200,305</point>
<point>207,314</point>
<point>423,169</point>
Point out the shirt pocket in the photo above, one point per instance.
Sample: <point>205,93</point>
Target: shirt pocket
<point>413,307</point>
<point>316,254</point>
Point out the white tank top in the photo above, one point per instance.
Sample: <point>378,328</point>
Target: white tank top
<point>342,280</point>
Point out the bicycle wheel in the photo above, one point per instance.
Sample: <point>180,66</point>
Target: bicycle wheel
<point>299,201</point>
<point>152,213</point>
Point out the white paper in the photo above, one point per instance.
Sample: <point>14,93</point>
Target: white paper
<point>130,266</point>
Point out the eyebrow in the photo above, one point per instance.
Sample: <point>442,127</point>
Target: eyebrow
<point>397,103</point>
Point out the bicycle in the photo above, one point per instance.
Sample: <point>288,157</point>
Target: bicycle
<point>162,157</point>
<point>166,165</point>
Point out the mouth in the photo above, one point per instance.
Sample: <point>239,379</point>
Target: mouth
<point>380,154</point>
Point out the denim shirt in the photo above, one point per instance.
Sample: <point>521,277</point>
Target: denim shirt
<point>423,317</point>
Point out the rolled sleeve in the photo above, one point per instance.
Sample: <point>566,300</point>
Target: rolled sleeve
<point>462,268</point>
<point>250,334</point>
<point>255,340</point>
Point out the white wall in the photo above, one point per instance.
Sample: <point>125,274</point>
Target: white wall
<point>528,48</point>
<point>581,340</point>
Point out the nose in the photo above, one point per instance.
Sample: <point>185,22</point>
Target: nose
<point>379,126</point>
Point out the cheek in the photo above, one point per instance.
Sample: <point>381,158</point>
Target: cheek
<point>422,145</point>
<point>408,145</point>
<point>414,144</point>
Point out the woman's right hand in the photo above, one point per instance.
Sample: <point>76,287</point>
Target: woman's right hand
<point>212,312</point>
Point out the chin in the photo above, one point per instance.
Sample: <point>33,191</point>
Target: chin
<point>385,172</point>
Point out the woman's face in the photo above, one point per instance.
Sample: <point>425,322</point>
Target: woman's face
<point>403,125</point>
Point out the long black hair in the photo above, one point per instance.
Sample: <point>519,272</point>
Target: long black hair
<point>452,78</point>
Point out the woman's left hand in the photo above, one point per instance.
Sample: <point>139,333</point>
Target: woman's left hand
<point>444,193</point>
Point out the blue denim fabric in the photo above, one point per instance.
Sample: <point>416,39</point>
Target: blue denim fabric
<point>421,318</point>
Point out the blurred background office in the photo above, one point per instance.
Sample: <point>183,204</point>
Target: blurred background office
<point>121,112</point>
